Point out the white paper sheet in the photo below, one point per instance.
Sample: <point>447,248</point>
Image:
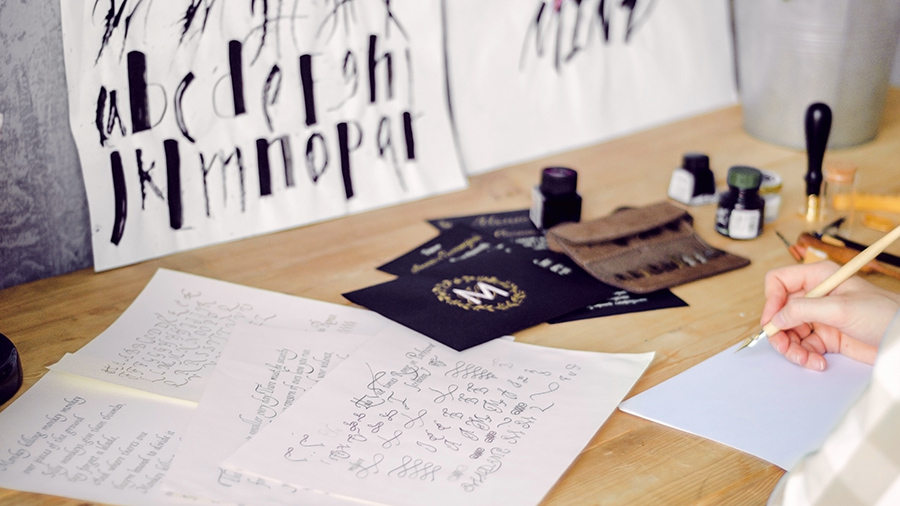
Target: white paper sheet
<point>756,401</point>
<point>262,372</point>
<point>170,337</point>
<point>528,79</point>
<point>406,420</point>
<point>203,122</point>
<point>93,441</point>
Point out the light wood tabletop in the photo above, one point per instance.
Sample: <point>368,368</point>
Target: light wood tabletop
<point>630,460</point>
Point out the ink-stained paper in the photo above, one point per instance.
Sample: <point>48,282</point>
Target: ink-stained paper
<point>169,339</point>
<point>89,440</point>
<point>530,78</point>
<point>407,421</point>
<point>203,122</point>
<point>262,373</point>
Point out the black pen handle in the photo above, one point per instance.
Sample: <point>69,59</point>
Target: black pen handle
<point>818,127</point>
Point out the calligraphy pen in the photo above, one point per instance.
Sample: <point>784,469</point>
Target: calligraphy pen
<point>831,282</point>
<point>818,127</point>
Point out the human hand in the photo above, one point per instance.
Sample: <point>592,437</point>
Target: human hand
<point>850,320</point>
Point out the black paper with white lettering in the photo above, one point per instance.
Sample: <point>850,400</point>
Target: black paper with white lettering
<point>463,304</point>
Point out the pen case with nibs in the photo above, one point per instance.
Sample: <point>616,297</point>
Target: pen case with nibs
<point>642,249</point>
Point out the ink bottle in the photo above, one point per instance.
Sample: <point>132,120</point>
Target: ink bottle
<point>693,183</point>
<point>741,211</point>
<point>555,199</point>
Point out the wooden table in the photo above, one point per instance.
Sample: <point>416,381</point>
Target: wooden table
<point>630,460</point>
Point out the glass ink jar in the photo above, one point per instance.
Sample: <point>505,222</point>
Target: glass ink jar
<point>693,183</point>
<point>741,211</point>
<point>839,192</point>
<point>770,190</point>
<point>555,199</point>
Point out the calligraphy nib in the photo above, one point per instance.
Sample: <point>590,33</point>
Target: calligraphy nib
<point>752,340</point>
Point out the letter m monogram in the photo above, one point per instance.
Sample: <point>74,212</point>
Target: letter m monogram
<point>486,291</point>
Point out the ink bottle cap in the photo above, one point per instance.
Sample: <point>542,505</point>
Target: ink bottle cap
<point>693,183</point>
<point>742,177</point>
<point>555,199</point>
<point>558,181</point>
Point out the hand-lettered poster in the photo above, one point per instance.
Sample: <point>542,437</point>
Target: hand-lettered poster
<point>203,121</point>
<point>530,78</point>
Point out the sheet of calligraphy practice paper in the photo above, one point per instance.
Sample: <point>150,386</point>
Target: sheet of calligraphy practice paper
<point>89,440</point>
<point>261,373</point>
<point>756,401</point>
<point>199,124</point>
<point>406,421</point>
<point>170,337</point>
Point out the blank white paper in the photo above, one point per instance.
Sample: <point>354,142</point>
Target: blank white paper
<point>756,401</point>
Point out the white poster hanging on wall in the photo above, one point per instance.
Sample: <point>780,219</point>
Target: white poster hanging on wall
<point>532,78</point>
<point>203,121</point>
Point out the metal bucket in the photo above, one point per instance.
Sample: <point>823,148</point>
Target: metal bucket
<point>792,53</point>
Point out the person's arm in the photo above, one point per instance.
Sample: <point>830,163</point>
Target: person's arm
<point>850,320</point>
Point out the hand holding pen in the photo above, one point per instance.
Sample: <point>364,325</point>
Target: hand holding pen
<point>850,320</point>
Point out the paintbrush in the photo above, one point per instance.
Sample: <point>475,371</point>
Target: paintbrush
<point>831,282</point>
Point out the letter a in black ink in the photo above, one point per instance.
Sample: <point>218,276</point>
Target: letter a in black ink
<point>137,91</point>
<point>105,125</point>
<point>237,76</point>
<point>120,197</point>
<point>306,79</point>
<point>173,183</point>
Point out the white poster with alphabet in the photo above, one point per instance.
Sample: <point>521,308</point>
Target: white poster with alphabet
<point>199,122</point>
<point>530,78</point>
<point>406,420</point>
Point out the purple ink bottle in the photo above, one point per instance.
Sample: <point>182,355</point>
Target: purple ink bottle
<point>555,200</point>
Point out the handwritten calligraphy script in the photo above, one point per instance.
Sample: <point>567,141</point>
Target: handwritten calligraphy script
<point>169,340</point>
<point>405,418</point>
<point>77,437</point>
<point>203,121</point>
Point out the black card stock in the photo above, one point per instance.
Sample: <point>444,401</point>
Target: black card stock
<point>488,295</point>
<point>623,302</point>
<point>505,225</point>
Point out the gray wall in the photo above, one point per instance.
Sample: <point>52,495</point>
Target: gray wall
<point>44,222</point>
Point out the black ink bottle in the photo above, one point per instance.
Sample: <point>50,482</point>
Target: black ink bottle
<point>741,210</point>
<point>555,200</point>
<point>693,183</point>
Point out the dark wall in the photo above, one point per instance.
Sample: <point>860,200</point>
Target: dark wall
<point>44,223</point>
